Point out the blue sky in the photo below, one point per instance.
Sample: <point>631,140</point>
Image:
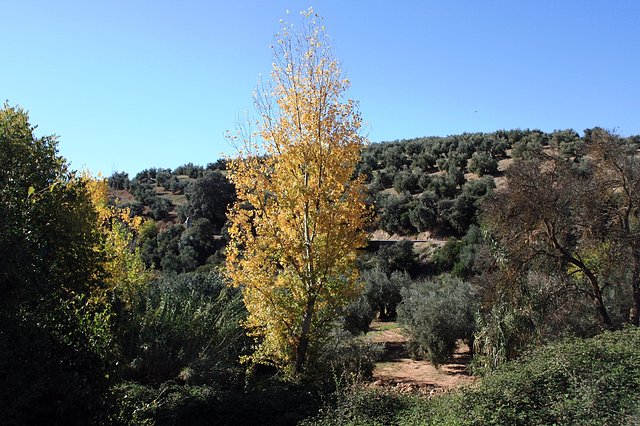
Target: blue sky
<point>147,83</point>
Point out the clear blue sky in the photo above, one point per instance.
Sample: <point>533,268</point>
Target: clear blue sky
<point>131,84</point>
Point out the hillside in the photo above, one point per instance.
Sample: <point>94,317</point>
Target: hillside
<point>425,190</point>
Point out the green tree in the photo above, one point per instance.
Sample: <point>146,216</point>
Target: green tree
<point>53,343</point>
<point>382,291</point>
<point>437,314</point>
<point>209,198</point>
<point>483,163</point>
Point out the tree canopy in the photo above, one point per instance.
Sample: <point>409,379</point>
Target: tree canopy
<point>53,345</point>
<point>300,213</point>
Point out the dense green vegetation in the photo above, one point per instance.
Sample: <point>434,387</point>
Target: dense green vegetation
<point>529,274</point>
<point>571,382</point>
<point>54,350</point>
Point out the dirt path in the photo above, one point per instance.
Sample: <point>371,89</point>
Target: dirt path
<point>398,370</point>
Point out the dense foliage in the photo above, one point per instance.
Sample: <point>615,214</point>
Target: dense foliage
<point>437,313</point>
<point>113,308</point>
<point>576,381</point>
<point>54,344</point>
<point>423,184</point>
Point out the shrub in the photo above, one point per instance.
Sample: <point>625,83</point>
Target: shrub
<point>424,214</point>
<point>209,197</point>
<point>160,208</point>
<point>177,186</point>
<point>573,382</point>
<point>186,327</point>
<point>382,179</point>
<point>457,256</point>
<point>483,163</point>
<point>445,257</point>
<point>119,180</point>
<point>530,145</point>
<point>577,381</point>
<point>371,406</point>
<point>437,313</point>
<point>190,170</point>
<point>394,213</point>
<point>144,193</point>
<point>398,256</point>
<point>442,186</point>
<point>343,359</point>
<point>199,238</point>
<point>405,181</point>
<point>479,187</point>
<point>358,316</point>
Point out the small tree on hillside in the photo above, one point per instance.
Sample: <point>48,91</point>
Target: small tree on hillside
<point>208,197</point>
<point>300,213</point>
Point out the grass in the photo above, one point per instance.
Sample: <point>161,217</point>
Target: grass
<point>385,326</point>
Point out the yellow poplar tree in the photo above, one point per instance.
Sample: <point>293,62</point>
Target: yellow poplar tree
<point>123,268</point>
<point>300,213</point>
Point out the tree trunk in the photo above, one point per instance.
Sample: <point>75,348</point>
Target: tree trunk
<point>595,285</point>
<point>602,311</point>
<point>303,340</point>
<point>597,299</point>
<point>634,316</point>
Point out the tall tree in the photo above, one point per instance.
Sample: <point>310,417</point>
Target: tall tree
<point>617,169</point>
<point>548,215</point>
<point>300,214</point>
<point>52,343</point>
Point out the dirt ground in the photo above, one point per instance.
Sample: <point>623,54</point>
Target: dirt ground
<point>397,370</point>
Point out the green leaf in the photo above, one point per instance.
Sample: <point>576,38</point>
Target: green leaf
<point>31,191</point>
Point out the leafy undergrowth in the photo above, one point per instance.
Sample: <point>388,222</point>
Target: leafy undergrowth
<point>576,381</point>
<point>172,404</point>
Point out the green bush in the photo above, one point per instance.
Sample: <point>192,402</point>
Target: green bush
<point>358,316</point>
<point>457,256</point>
<point>168,404</point>
<point>343,359</point>
<point>160,208</point>
<point>576,381</point>
<point>208,198</point>
<point>394,213</point>
<point>424,214</point>
<point>483,163</point>
<point>573,382</point>
<point>437,313</point>
<point>119,180</point>
<point>184,327</point>
<point>267,402</point>
<point>398,256</point>
<point>405,181</point>
<point>364,406</point>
